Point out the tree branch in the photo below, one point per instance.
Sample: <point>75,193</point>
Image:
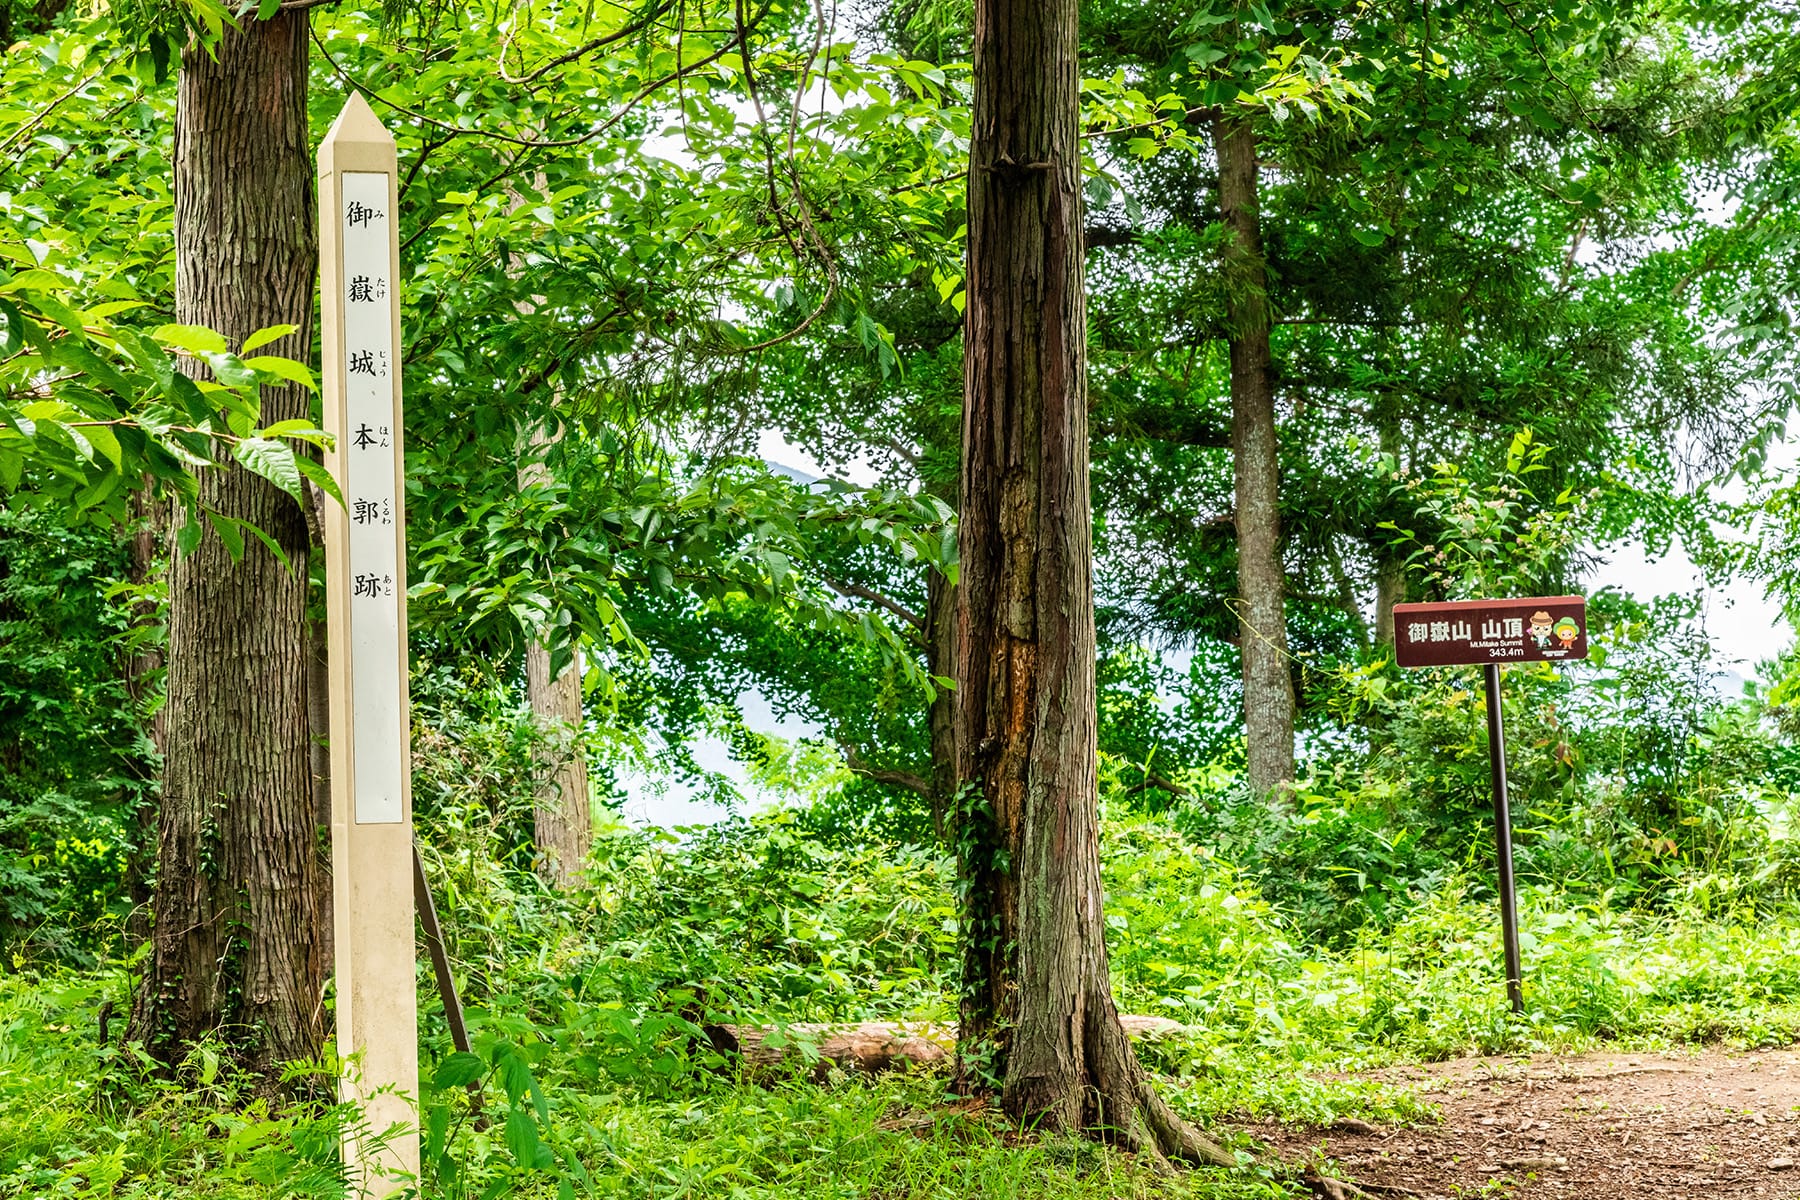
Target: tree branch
<point>858,591</point>
<point>1161,783</point>
<point>899,779</point>
<point>604,40</point>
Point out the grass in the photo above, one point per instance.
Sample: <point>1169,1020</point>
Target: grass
<point>587,997</point>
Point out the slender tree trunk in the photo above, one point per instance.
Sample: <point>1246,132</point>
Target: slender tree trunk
<point>1390,567</point>
<point>1390,589</point>
<point>1037,1011</point>
<point>1268,686</point>
<point>562,824</point>
<point>562,814</point>
<point>239,908</point>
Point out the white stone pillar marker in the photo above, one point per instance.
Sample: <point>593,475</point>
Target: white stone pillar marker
<point>365,545</point>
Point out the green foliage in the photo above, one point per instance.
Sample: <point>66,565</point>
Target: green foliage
<point>89,406</point>
<point>1488,539</point>
<point>75,764</point>
<point>83,1119</point>
<point>595,1072</point>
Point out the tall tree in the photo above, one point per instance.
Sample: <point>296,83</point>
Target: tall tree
<point>562,825</point>
<point>1262,617</point>
<point>239,917</point>
<point>1037,1010</point>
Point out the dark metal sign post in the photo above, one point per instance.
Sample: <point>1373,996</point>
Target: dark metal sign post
<point>1509,899</point>
<point>1486,633</point>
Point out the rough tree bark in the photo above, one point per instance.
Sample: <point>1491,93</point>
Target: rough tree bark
<point>1268,687</point>
<point>239,909</point>
<point>562,816</point>
<point>1390,566</point>
<point>1390,589</point>
<point>1037,1014</point>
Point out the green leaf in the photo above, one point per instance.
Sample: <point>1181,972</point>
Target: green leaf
<point>231,532</point>
<point>458,1070</point>
<point>230,370</point>
<point>269,544</point>
<point>159,57</point>
<point>187,538</point>
<point>195,339</point>
<point>522,1138</point>
<point>272,460</point>
<point>317,473</point>
<point>284,368</point>
<point>12,329</point>
<point>103,439</point>
<point>263,337</point>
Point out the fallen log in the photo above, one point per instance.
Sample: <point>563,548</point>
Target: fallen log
<point>867,1047</point>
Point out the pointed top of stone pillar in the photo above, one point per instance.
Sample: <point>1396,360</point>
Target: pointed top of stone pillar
<point>358,123</point>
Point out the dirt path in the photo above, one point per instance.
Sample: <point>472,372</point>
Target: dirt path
<point>1588,1127</point>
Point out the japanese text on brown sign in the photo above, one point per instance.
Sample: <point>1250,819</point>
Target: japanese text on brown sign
<point>1475,632</point>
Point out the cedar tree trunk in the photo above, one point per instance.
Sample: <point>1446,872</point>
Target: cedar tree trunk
<point>1268,687</point>
<point>239,911</point>
<point>1037,1014</point>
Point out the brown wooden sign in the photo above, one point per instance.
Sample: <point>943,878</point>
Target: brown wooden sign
<point>1479,632</point>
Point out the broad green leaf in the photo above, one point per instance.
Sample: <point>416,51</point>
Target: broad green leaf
<point>458,1070</point>
<point>272,460</point>
<point>522,1138</point>
<point>187,538</point>
<point>284,368</point>
<point>263,337</point>
<point>195,339</point>
<point>230,531</point>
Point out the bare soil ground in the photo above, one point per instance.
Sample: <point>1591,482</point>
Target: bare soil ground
<point>1588,1127</point>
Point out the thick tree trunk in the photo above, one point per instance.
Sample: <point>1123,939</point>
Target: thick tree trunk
<point>239,908</point>
<point>1263,644</point>
<point>562,815</point>
<point>1037,1011</point>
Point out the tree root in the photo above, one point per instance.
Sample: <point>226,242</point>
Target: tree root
<point>1174,1137</point>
